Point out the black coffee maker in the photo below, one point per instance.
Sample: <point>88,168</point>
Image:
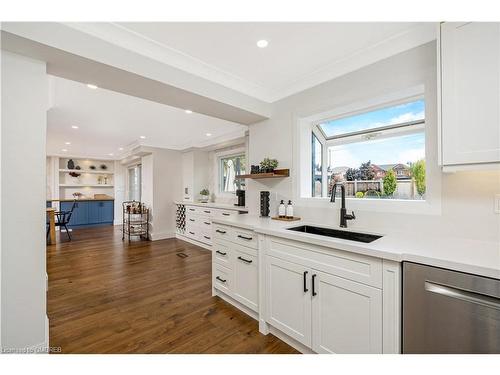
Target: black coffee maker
<point>241,198</point>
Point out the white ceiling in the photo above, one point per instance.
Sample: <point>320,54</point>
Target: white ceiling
<point>108,120</point>
<point>299,55</point>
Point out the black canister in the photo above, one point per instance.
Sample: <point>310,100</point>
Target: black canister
<point>264,204</point>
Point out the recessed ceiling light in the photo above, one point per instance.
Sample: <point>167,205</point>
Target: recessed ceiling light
<point>188,111</point>
<point>142,137</point>
<point>67,143</point>
<point>121,148</point>
<point>64,150</point>
<point>91,86</point>
<point>262,43</point>
<point>209,134</point>
<point>110,154</point>
<point>74,127</point>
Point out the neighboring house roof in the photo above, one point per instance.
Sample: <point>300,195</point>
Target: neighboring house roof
<point>386,167</point>
<point>338,170</point>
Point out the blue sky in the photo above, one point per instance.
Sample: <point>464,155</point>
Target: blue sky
<point>401,149</point>
<point>381,117</point>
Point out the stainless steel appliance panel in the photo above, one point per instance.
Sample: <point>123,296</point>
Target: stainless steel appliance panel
<point>449,312</point>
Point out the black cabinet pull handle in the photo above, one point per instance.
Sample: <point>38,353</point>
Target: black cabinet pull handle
<point>207,212</point>
<point>191,209</point>
<point>221,280</point>
<point>245,260</point>
<point>245,238</point>
<point>221,253</point>
<point>305,282</point>
<point>206,222</point>
<point>313,286</point>
<point>225,214</point>
<point>207,237</point>
<point>191,219</point>
<point>191,232</point>
<point>221,231</point>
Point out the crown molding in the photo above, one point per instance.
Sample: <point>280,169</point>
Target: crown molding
<point>138,43</point>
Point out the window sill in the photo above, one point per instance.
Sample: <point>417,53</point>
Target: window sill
<point>417,207</point>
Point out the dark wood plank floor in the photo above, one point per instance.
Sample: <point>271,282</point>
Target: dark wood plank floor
<point>109,296</point>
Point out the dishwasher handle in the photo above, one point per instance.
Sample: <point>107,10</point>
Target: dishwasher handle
<point>463,295</point>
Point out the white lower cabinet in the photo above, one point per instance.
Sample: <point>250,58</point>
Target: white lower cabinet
<point>288,304</point>
<point>346,316</point>
<point>245,278</point>
<point>240,263</point>
<point>325,312</point>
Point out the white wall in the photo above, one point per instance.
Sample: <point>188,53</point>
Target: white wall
<point>195,174</point>
<point>161,186</point>
<point>466,198</point>
<point>120,182</point>
<point>23,297</point>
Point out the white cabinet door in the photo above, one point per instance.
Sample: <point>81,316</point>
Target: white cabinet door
<point>289,299</point>
<point>470,93</point>
<point>245,278</point>
<point>346,316</point>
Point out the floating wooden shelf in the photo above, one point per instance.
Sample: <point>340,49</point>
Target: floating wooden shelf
<point>93,171</point>
<point>277,173</point>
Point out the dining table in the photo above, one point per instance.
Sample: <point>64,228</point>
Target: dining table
<point>50,211</point>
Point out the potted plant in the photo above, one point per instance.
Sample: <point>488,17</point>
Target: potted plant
<point>204,195</point>
<point>268,165</point>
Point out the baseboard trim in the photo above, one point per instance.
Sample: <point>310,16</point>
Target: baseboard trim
<point>238,305</point>
<point>161,236</point>
<point>290,341</point>
<point>194,242</point>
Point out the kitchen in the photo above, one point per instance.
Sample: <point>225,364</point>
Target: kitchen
<point>351,211</point>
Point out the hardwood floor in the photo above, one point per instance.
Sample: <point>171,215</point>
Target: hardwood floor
<point>109,296</point>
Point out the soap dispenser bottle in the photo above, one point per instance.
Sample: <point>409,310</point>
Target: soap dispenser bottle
<point>282,209</point>
<point>289,210</point>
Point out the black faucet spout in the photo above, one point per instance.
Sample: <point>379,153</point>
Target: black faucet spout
<point>344,216</point>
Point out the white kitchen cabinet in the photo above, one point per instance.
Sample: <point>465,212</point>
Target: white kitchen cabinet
<point>245,278</point>
<point>346,316</point>
<point>470,94</point>
<point>288,306</point>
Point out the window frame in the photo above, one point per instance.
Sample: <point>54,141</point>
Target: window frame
<point>128,190</point>
<point>218,167</point>
<point>306,123</point>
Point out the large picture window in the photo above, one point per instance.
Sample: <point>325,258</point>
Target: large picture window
<point>377,153</point>
<point>230,167</point>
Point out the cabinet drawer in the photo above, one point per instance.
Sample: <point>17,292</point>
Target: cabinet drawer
<point>205,224</point>
<point>225,213</point>
<point>221,253</point>
<point>355,267</point>
<point>244,237</point>
<point>221,232</point>
<point>221,277</point>
<point>204,236</point>
<point>198,211</point>
<point>246,278</point>
<point>192,231</point>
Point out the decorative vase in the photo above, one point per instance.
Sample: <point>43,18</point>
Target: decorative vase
<point>204,198</point>
<point>71,164</point>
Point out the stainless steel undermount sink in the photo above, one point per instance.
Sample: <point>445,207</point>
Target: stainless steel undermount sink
<point>342,234</point>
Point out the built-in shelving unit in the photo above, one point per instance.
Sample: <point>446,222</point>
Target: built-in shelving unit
<point>277,173</point>
<point>89,182</point>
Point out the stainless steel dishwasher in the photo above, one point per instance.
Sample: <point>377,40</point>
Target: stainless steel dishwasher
<point>449,312</point>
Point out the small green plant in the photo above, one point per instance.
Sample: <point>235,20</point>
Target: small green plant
<point>390,183</point>
<point>204,192</point>
<point>269,164</point>
<point>360,194</point>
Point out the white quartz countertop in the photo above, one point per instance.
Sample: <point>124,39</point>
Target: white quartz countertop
<point>222,206</point>
<point>465,255</point>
